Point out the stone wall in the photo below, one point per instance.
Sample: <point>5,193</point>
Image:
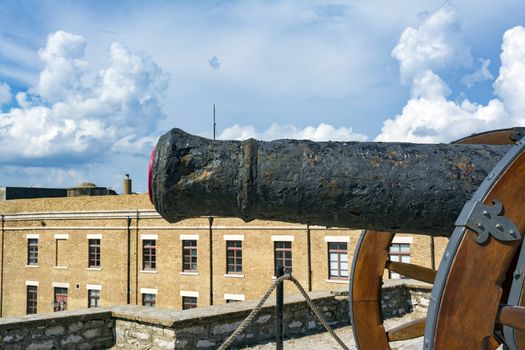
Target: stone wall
<point>207,328</point>
<point>400,297</point>
<point>135,327</point>
<point>82,329</point>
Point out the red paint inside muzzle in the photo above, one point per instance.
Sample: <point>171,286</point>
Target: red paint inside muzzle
<point>150,187</point>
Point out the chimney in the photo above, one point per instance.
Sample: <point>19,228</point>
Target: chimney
<point>127,184</point>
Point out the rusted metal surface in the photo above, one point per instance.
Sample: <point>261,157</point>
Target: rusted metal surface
<point>397,187</point>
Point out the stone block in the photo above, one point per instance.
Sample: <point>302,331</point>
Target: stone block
<point>75,326</point>
<point>55,330</point>
<point>192,330</point>
<point>13,337</point>
<point>205,344</point>
<point>181,344</point>
<point>263,319</point>
<point>40,345</point>
<point>71,339</point>
<point>164,343</point>
<point>295,324</point>
<point>92,333</point>
<point>144,335</point>
<point>225,328</point>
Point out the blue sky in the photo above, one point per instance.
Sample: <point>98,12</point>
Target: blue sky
<point>87,87</point>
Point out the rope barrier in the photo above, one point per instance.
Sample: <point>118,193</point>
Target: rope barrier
<point>248,320</point>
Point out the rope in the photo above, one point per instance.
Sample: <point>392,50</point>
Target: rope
<point>317,313</point>
<point>248,320</point>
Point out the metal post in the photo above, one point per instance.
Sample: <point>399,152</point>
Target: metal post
<point>309,253</point>
<point>279,300</point>
<point>210,246</point>
<point>128,283</point>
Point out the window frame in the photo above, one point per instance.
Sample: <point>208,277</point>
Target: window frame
<point>55,294</point>
<point>187,249</point>
<point>94,252</point>
<point>337,251</point>
<point>279,254</point>
<point>32,251</point>
<point>152,302</point>
<point>189,301</point>
<point>149,254</point>
<point>93,297</point>
<point>31,299</point>
<point>400,254</point>
<point>234,252</point>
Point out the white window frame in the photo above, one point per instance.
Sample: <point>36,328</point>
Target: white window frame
<point>282,238</point>
<point>337,239</point>
<point>148,291</point>
<point>233,237</point>
<point>94,286</point>
<point>187,293</point>
<point>189,237</point>
<point>237,297</point>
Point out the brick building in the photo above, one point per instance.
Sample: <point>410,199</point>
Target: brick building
<point>76,252</point>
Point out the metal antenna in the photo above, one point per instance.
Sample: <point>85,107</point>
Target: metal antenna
<point>214,124</point>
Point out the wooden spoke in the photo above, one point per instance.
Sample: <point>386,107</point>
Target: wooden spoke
<point>409,330</point>
<point>513,316</point>
<point>365,288</point>
<point>493,343</point>
<point>416,272</point>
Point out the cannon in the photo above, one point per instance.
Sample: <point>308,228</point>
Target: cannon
<point>471,191</point>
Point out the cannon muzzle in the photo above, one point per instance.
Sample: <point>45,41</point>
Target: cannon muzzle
<point>397,187</point>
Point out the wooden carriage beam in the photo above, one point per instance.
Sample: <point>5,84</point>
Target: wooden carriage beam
<point>420,273</point>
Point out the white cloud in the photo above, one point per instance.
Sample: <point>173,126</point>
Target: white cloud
<point>510,85</point>
<point>429,85</point>
<point>323,132</point>
<point>5,94</point>
<point>64,66</point>
<point>440,120</point>
<point>68,118</point>
<point>437,43</point>
<point>428,115</point>
<point>480,75</point>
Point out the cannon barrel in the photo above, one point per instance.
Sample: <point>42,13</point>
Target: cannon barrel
<point>397,187</point>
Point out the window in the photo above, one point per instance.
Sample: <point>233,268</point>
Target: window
<point>32,251</point>
<point>229,301</point>
<point>283,256</point>
<point>234,256</point>
<point>149,299</point>
<point>149,254</point>
<point>189,303</point>
<point>189,255</point>
<point>399,252</point>
<point>31,300</point>
<point>94,253</point>
<point>337,260</point>
<point>60,302</point>
<point>93,298</point>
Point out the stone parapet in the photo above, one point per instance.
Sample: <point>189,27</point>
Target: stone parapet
<point>137,327</point>
<point>80,329</point>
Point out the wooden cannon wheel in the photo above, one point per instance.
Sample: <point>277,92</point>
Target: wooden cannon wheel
<point>462,301</point>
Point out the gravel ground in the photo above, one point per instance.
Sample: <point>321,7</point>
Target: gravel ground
<point>325,340</point>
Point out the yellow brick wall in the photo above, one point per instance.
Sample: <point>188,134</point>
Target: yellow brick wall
<point>168,279</point>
